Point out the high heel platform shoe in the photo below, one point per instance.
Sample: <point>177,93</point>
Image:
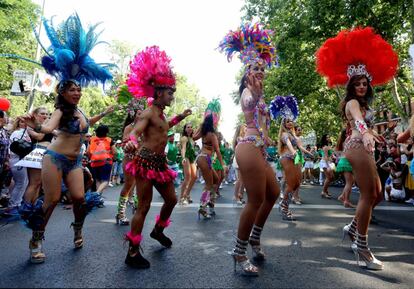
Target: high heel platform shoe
<point>285,212</point>
<point>203,212</point>
<point>246,267</point>
<point>258,253</point>
<point>254,241</point>
<point>78,239</point>
<point>37,255</point>
<point>121,220</point>
<point>371,262</point>
<point>347,233</point>
<point>363,253</point>
<point>211,210</point>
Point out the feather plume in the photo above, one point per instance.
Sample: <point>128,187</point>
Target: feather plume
<point>149,69</point>
<point>357,47</point>
<point>285,107</point>
<point>252,42</point>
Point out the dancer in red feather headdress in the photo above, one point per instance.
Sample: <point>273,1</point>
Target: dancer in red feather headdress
<point>151,77</point>
<point>359,59</point>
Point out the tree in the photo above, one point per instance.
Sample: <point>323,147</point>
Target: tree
<point>187,96</point>
<point>300,29</point>
<point>17,37</point>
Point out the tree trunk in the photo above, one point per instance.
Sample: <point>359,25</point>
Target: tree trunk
<point>397,100</point>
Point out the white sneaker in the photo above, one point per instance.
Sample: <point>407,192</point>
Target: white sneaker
<point>410,201</point>
<point>110,185</point>
<point>203,181</point>
<point>311,182</point>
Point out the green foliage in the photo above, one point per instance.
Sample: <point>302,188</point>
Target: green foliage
<point>300,29</point>
<point>17,37</point>
<point>187,96</point>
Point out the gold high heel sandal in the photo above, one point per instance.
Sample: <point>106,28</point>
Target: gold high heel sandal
<point>78,239</point>
<point>36,248</point>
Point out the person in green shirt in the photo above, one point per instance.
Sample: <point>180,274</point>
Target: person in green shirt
<point>171,150</point>
<point>117,171</point>
<point>228,159</point>
<point>217,167</point>
<point>189,166</point>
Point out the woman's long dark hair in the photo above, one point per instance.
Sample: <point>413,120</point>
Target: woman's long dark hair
<point>242,84</point>
<point>207,125</point>
<point>129,119</point>
<point>324,141</point>
<point>184,130</point>
<point>341,140</point>
<point>351,94</point>
<point>68,110</point>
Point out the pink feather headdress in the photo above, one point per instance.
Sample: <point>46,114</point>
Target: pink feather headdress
<point>150,69</point>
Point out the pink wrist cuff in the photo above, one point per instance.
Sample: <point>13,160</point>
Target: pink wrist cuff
<point>175,120</point>
<point>133,138</point>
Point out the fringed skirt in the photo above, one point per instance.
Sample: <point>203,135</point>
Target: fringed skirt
<point>151,166</point>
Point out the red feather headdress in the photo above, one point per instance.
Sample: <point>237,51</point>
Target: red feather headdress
<point>356,52</point>
<point>150,69</point>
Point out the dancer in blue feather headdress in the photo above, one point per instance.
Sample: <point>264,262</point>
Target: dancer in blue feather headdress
<point>289,147</point>
<point>68,59</point>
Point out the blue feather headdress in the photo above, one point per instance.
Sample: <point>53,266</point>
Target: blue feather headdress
<point>285,107</point>
<point>68,58</point>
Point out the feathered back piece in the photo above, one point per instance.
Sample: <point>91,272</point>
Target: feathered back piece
<point>285,107</point>
<point>253,43</point>
<point>356,52</point>
<point>68,58</point>
<point>214,108</point>
<point>150,69</point>
<point>133,104</point>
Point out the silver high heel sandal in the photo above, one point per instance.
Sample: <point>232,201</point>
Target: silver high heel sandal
<point>347,233</point>
<point>363,252</point>
<point>247,268</point>
<point>284,210</point>
<point>254,242</point>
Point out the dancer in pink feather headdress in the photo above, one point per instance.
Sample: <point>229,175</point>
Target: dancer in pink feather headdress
<point>151,77</point>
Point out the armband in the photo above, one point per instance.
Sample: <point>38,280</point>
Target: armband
<point>38,128</point>
<point>176,119</point>
<point>133,138</point>
<point>361,126</point>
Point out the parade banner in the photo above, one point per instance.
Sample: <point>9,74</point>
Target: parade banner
<point>32,160</point>
<point>22,79</point>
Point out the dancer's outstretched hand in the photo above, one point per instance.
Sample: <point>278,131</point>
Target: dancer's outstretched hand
<point>369,142</point>
<point>130,147</point>
<point>28,119</point>
<point>255,85</point>
<point>186,112</point>
<point>110,109</point>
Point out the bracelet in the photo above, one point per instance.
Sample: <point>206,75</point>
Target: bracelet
<point>38,128</point>
<point>133,138</point>
<point>176,119</point>
<point>361,126</point>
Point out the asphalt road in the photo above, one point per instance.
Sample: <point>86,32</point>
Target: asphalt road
<point>307,253</point>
